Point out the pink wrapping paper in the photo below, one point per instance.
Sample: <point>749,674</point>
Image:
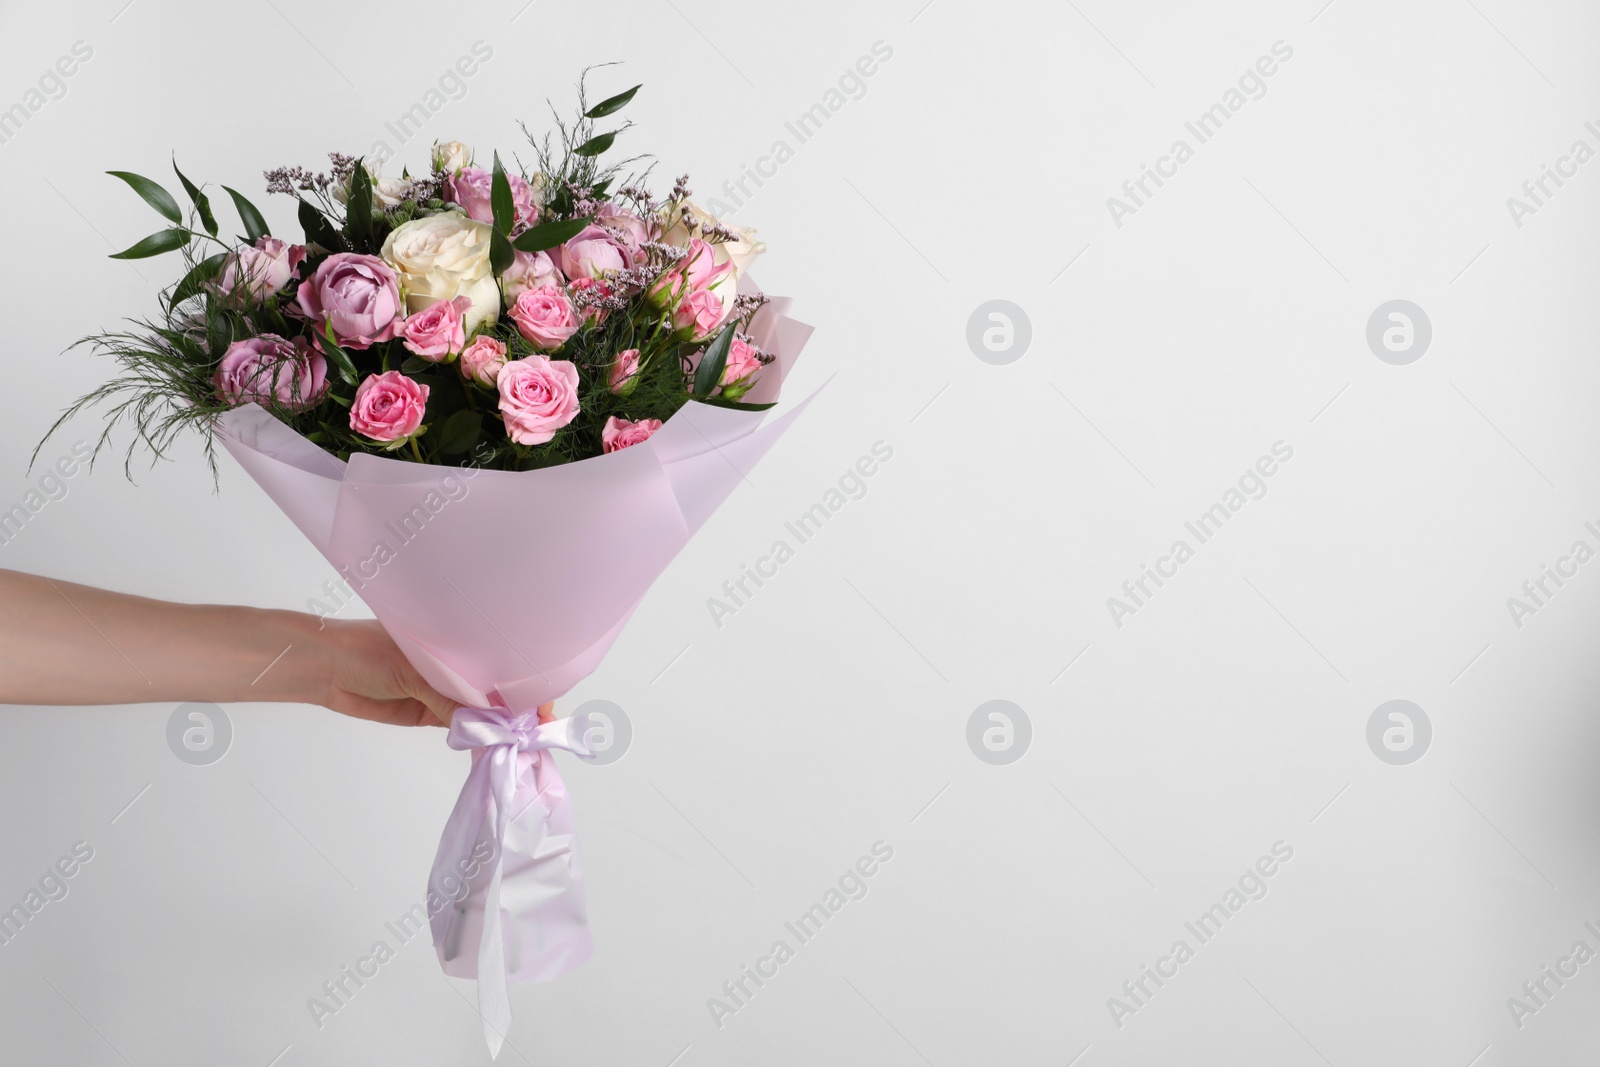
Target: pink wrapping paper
<point>446,560</point>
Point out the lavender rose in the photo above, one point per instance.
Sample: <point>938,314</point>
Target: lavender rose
<point>473,189</point>
<point>259,270</point>
<point>593,253</point>
<point>633,231</point>
<point>273,371</point>
<point>529,270</point>
<point>359,295</point>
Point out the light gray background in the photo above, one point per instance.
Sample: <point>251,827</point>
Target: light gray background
<point>831,712</point>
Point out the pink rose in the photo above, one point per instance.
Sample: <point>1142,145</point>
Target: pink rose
<point>482,359</point>
<point>473,189</point>
<point>358,294</point>
<point>388,407</point>
<point>698,269</point>
<point>742,362</point>
<point>272,371</point>
<point>698,316</point>
<point>624,369</point>
<point>701,268</point>
<point>588,294</point>
<point>529,270</point>
<point>436,332</point>
<point>618,434</point>
<point>538,396</point>
<point>594,252</point>
<point>628,227</point>
<point>259,270</point>
<point>545,316</point>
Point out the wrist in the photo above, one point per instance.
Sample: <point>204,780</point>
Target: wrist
<point>296,662</point>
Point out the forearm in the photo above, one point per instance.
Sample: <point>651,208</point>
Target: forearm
<point>62,643</point>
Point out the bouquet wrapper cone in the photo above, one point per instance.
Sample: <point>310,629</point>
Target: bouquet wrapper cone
<point>504,589</point>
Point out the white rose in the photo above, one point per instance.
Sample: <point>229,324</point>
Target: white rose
<point>442,257</point>
<point>741,251</point>
<point>386,192</point>
<point>450,156</point>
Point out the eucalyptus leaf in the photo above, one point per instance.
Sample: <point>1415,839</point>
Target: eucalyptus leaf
<point>712,363</point>
<point>549,234</point>
<point>255,227</point>
<point>219,334</point>
<point>358,210</point>
<point>501,254</point>
<point>162,241</point>
<point>338,356</point>
<point>611,104</point>
<point>194,282</point>
<point>153,194</point>
<point>595,145</point>
<point>202,203</point>
<point>319,230</point>
<point>500,200</point>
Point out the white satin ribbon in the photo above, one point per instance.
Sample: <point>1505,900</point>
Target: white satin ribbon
<point>490,787</point>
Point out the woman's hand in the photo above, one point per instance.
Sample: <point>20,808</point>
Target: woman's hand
<point>62,643</point>
<point>366,677</point>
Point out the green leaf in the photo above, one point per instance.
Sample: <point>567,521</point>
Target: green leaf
<point>501,254</point>
<point>195,280</point>
<point>500,200</point>
<point>611,104</point>
<point>255,227</point>
<point>153,194</point>
<point>715,360</point>
<point>595,145</point>
<point>549,234</point>
<point>338,356</point>
<point>736,405</point>
<point>319,230</point>
<point>358,210</point>
<point>598,192</point>
<point>219,335</point>
<point>460,432</point>
<point>415,365</point>
<point>202,204</point>
<point>157,243</point>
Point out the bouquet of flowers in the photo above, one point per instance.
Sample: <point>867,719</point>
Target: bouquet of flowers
<point>499,401</point>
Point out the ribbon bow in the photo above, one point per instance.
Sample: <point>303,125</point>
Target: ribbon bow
<point>487,795</point>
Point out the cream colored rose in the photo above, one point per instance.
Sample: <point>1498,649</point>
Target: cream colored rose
<point>450,156</point>
<point>442,257</point>
<point>741,252</point>
<point>386,192</point>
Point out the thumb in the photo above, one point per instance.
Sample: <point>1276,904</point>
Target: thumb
<point>416,687</point>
